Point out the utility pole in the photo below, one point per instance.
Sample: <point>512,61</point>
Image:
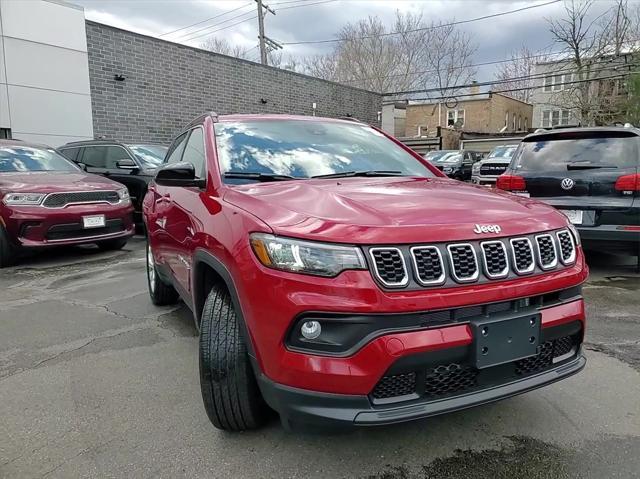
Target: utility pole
<point>264,40</point>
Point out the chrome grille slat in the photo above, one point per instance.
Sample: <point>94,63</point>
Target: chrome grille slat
<point>547,253</point>
<point>464,262</point>
<point>523,261</point>
<point>495,259</point>
<point>389,266</point>
<point>427,265</point>
<point>62,199</point>
<point>567,247</point>
<point>416,266</point>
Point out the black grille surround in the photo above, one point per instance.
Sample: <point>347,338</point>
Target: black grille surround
<point>70,231</point>
<point>493,169</point>
<point>60,200</point>
<point>421,266</point>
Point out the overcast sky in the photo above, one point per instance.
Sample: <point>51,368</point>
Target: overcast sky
<point>321,19</point>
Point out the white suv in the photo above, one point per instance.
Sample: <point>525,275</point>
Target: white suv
<point>486,172</point>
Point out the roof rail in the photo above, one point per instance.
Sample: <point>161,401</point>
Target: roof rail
<point>350,118</point>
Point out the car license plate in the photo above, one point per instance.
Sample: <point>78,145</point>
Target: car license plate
<point>505,338</point>
<point>93,221</point>
<point>524,194</point>
<point>575,216</point>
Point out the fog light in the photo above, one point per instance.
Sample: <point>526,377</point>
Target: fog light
<point>311,329</point>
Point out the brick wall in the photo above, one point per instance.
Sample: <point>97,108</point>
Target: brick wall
<point>485,115</point>
<point>166,85</point>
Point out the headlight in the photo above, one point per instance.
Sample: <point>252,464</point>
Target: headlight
<point>574,232</point>
<point>475,168</point>
<point>123,194</point>
<point>31,199</point>
<point>447,169</point>
<point>308,257</point>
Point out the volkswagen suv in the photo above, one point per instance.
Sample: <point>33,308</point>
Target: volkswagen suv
<point>339,279</point>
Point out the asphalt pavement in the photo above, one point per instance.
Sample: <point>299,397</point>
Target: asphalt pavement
<point>95,381</point>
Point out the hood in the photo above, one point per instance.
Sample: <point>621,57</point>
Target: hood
<point>51,182</point>
<point>391,210</point>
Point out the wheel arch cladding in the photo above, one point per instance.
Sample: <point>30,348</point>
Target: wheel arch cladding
<point>207,272</point>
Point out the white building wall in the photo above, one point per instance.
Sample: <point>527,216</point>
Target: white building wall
<point>44,72</point>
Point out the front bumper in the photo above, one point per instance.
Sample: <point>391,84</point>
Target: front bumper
<point>484,180</point>
<point>298,407</point>
<point>33,227</point>
<point>612,237</point>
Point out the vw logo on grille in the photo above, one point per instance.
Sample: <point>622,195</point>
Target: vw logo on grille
<point>567,184</point>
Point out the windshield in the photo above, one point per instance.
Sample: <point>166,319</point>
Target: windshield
<point>556,155</point>
<point>302,149</point>
<point>150,155</point>
<point>503,152</point>
<point>448,158</point>
<point>24,158</point>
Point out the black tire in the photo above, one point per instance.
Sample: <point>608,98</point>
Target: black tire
<point>112,245</point>
<point>8,252</point>
<point>230,392</point>
<point>161,293</point>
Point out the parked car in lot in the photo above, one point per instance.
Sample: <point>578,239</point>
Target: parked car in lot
<point>486,172</point>
<point>591,174</point>
<point>46,200</point>
<point>455,164</point>
<point>339,278</point>
<point>133,165</point>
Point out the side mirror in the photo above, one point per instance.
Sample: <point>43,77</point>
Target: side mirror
<point>179,174</point>
<point>126,164</point>
<point>82,166</point>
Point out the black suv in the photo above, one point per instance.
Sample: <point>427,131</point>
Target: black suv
<point>133,165</point>
<point>591,174</point>
<point>455,164</point>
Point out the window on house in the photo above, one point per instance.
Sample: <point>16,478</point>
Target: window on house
<point>506,119</point>
<point>552,118</point>
<point>5,133</point>
<point>520,123</point>
<point>513,122</point>
<point>526,122</point>
<point>423,130</point>
<point>455,118</point>
<point>556,82</point>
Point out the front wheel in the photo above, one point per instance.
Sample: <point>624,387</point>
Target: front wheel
<point>230,392</point>
<point>161,293</point>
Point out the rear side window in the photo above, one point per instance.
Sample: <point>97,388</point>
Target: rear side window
<point>104,156</point>
<point>194,152</point>
<point>70,153</point>
<point>175,152</point>
<point>503,152</point>
<point>557,154</point>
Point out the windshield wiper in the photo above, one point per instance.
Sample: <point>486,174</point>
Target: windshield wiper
<point>246,175</point>
<point>371,173</point>
<point>587,166</point>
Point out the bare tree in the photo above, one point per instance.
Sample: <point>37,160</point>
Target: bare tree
<point>517,73</point>
<point>410,55</point>
<point>222,46</point>
<point>449,56</point>
<point>596,50</point>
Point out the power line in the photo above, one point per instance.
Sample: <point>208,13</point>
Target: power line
<point>509,90</point>
<point>204,21</point>
<point>220,29</point>
<point>460,22</point>
<point>308,4</point>
<point>188,36</point>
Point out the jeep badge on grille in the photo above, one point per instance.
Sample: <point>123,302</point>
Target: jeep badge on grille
<point>487,229</point>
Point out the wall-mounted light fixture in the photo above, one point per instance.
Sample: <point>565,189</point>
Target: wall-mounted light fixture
<point>119,77</point>
<point>263,101</point>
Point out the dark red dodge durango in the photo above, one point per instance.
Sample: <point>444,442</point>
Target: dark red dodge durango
<point>46,200</point>
<point>339,279</point>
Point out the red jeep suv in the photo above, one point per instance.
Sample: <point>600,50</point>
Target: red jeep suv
<point>339,279</point>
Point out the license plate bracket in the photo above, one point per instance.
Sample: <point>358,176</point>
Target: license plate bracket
<point>94,221</point>
<point>574,216</point>
<point>504,339</point>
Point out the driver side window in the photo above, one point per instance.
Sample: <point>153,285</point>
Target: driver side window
<point>194,152</point>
